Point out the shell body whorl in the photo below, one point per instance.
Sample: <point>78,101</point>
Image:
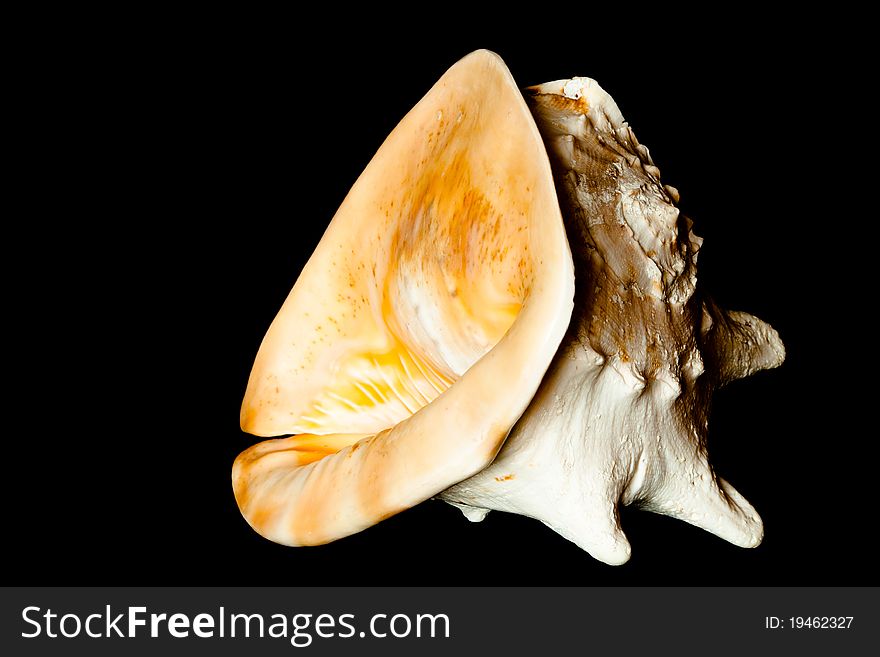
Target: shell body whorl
<point>622,415</point>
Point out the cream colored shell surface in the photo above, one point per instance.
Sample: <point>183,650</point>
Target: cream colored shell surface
<point>422,325</point>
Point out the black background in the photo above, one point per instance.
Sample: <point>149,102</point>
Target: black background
<point>182,172</point>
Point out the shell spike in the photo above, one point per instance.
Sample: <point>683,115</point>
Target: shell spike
<point>596,529</point>
<point>740,344</point>
<point>716,506</point>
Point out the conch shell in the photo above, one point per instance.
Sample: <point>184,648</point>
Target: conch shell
<point>444,340</point>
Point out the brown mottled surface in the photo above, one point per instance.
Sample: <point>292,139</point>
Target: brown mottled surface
<point>621,311</point>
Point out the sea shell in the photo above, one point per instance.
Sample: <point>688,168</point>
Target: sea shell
<point>443,340</point>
